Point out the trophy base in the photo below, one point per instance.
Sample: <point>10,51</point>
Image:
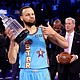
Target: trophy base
<point>22,36</point>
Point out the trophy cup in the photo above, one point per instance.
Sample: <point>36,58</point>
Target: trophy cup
<point>19,32</point>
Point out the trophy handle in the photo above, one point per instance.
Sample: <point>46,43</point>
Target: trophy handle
<point>22,36</point>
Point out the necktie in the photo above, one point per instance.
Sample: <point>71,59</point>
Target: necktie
<point>68,40</point>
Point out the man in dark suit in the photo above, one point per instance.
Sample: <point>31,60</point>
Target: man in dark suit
<point>70,71</point>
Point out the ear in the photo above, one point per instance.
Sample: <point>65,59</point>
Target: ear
<point>21,18</point>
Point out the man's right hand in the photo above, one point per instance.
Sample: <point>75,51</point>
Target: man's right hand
<point>10,34</point>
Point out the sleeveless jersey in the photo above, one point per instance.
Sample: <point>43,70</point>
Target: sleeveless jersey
<point>37,51</point>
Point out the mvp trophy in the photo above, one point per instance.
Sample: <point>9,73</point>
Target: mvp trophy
<point>19,32</point>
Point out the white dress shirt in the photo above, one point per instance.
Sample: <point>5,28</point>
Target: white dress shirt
<point>70,40</point>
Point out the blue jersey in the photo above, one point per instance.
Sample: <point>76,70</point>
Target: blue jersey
<point>35,51</point>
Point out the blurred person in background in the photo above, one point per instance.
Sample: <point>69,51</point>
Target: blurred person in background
<point>3,54</point>
<point>52,49</point>
<point>70,71</point>
<point>4,47</point>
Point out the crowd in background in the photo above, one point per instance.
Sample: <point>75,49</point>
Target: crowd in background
<point>46,10</point>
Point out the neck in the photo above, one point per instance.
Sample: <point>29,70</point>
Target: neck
<point>70,31</point>
<point>31,29</point>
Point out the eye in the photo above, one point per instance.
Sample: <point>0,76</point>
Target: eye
<point>68,23</point>
<point>27,14</point>
<point>33,14</point>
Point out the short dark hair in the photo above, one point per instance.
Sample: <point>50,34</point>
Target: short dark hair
<point>57,21</point>
<point>23,9</point>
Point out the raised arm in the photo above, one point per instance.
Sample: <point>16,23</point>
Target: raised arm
<point>13,48</point>
<point>55,37</point>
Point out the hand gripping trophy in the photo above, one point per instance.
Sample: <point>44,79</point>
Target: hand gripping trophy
<point>19,32</point>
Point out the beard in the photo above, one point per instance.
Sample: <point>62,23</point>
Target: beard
<point>30,24</point>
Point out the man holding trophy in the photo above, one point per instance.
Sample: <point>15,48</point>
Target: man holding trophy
<point>32,52</point>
